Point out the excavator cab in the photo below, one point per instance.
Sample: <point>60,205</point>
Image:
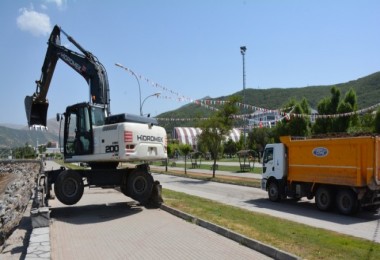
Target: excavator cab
<point>78,133</point>
<point>36,111</point>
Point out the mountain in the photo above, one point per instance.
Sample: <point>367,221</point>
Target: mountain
<point>18,135</point>
<point>367,90</point>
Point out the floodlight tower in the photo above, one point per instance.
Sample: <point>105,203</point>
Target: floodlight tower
<point>242,51</point>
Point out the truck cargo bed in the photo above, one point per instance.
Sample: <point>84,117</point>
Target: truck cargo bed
<point>350,161</point>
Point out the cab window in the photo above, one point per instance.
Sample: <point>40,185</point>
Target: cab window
<point>268,155</point>
<point>98,117</point>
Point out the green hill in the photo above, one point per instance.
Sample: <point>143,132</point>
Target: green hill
<point>367,90</point>
<point>10,138</point>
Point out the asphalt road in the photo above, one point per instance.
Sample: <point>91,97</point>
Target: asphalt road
<point>364,225</point>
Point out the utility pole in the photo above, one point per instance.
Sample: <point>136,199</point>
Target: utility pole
<point>242,51</point>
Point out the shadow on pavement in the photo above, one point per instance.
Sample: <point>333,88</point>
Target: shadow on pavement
<point>309,209</point>
<point>89,214</point>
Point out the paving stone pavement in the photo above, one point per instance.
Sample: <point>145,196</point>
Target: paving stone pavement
<point>107,225</point>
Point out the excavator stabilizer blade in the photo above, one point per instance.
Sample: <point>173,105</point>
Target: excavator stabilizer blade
<point>36,111</point>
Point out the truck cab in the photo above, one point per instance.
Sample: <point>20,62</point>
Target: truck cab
<point>274,169</point>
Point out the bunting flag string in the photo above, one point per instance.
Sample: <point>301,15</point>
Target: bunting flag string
<point>209,104</point>
<point>283,115</point>
<point>178,96</point>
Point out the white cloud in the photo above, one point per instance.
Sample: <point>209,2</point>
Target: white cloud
<point>34,22</point>
<point>60,3</point>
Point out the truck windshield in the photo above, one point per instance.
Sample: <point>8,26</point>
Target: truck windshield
<point>98,116</point>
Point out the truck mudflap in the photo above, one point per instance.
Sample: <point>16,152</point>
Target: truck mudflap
<point>369,199</point>
<point>36,111</point>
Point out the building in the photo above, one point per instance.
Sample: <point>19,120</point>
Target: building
<point>189,135</point>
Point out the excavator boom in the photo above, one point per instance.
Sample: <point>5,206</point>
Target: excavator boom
<point>86,64</point>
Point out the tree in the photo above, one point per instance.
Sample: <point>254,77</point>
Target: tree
<point>258,138</point>
<point>172,148</point>
<point>230,147</point>
<point>217,127</point>
<point>377,121</point>
<point>26,152</point>
<point>333,106</point>
<point>185,150</point>
<point>41,149</point>
<point>297,123</point>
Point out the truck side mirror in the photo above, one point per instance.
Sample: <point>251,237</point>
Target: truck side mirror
<point>58,117</point>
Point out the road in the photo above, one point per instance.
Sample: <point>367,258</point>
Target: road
<point>364,225</point>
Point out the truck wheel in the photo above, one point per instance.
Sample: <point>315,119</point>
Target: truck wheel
<point>69,187</point>
<point>274,192</point>
<point>139,186</point>
<point>324,198</point>
<point>347,202</point>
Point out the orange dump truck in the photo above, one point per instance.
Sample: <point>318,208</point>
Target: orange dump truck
<point>339,172</point>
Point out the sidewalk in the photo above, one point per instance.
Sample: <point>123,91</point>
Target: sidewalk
<point>105,225</point>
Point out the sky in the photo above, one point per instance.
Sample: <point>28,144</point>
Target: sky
<point>185,50</point>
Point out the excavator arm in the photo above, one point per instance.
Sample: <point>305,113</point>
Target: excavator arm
<point>86,64</point>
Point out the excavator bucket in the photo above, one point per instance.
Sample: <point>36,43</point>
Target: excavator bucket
<point>36,111</point>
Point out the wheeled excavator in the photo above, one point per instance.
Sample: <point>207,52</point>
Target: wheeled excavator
<point>95,137</point>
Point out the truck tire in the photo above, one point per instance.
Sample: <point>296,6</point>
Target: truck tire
<point>69,187</point>
<point>347,202</point>
<point>139,186</point>
<point>274,192</point>
<point>324,198</point>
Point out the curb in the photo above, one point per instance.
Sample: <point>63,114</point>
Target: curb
<point>39,242</point>
<point>243,240</point>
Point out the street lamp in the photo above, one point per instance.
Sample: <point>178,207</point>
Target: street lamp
<point>242,51</point>
<point>134,74</point>
<point>155,94</point>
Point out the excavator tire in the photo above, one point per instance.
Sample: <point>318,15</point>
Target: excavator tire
<point>123,186</point>
<point>139,186</point>
<point>69,187</point>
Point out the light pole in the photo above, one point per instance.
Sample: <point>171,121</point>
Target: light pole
<point>134,74</point>
<point>155,94</point>
<point>242,51</point>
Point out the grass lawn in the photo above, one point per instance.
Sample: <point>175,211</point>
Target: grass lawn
<point>304,241</point>
<point>208,177</point>
<point>228,168</point>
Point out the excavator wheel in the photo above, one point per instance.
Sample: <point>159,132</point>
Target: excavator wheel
<point>69,187</point>
<point>139,186</point>
<point>123,186</point>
